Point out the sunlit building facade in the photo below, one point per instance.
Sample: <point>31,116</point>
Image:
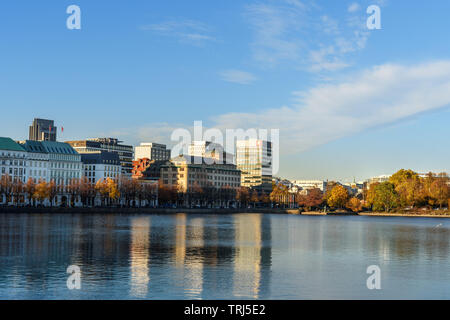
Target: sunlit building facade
<point>254,160</point>
<point>152,151</point>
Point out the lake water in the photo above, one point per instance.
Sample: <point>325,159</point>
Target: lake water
<point>242,256</point>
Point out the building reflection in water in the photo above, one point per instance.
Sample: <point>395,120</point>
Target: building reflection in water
<point>180,240</point>
<point>139,257</point>
<point>247,259</point>
<point>195,260</point>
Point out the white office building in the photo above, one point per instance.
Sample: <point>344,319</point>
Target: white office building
<point>152,151</point>
<point>254,159</point>
<point>101,165</point>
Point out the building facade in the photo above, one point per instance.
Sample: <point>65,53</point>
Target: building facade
<point>101,165</point>
<point>43,130</point>
<point>13,160</point>
<point>187,173</point>
<point>125,152</point>
<point>311,184</point>
<point>254,160</point>
<point>64,162</point>
<point>38,161</point>
<point>152,151</point>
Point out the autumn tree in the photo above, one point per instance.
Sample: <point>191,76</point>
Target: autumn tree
<point>439,190</point>
<point>102,188</point>
<point>29,190</point>
<point>243,196</point>
<point>254,197</point>
<point>86,191</point>
<point>113,189</point>
<point>409,187</point>
<point>338,197</point>
<point>354,204</point>
<point>52,191</point>
<point>265,198</point>
<point>16,190</point>
<point>312,199</point>
<point>74,188</point>
<point>41,191</point>
<point>5,186</point>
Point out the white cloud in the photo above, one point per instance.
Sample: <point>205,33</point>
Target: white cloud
<point>378,96</point>
<point>188,31</point>
<point>303,34</point>
<point>237,76</point>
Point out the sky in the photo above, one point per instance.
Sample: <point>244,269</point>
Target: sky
<point>350,103</point>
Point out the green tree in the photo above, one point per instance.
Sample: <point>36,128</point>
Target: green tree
<point>385,197</point>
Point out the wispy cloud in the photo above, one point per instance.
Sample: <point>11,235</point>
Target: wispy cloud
<point>237,76</point>
<point>303,34</point>
<point>378,96</point>
<point>187,31</point>
<point>354,7</point>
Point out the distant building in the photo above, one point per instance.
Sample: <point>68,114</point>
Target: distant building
<point>210,150</point>
<point>100,165</point>
<point>125,152</point>
<point>43,130</point>
<point>254,160</point>
<point>13,160</point>
<point>311,184</point>
<point>379,179</point>
<point>151,151</point>
<point>149,170</point>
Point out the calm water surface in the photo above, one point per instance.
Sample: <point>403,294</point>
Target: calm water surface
<point>244,256</point>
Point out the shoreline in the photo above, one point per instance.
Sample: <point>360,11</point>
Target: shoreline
<point>406,215</point>
<point>136,211</point>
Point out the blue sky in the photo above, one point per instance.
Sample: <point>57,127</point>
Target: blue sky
<point>350,102</point>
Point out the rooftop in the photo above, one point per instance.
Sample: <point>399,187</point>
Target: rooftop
<point>10,145</point>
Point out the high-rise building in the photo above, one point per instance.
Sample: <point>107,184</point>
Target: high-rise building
<point>125,152</point>
<point>210,150</point>
<point>43,130</point>
<point>254,159</point>
<point>151,151</point>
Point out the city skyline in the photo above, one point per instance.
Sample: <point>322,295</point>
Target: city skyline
<point>178,63</point>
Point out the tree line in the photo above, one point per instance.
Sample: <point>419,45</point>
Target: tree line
<point>126,192</point>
